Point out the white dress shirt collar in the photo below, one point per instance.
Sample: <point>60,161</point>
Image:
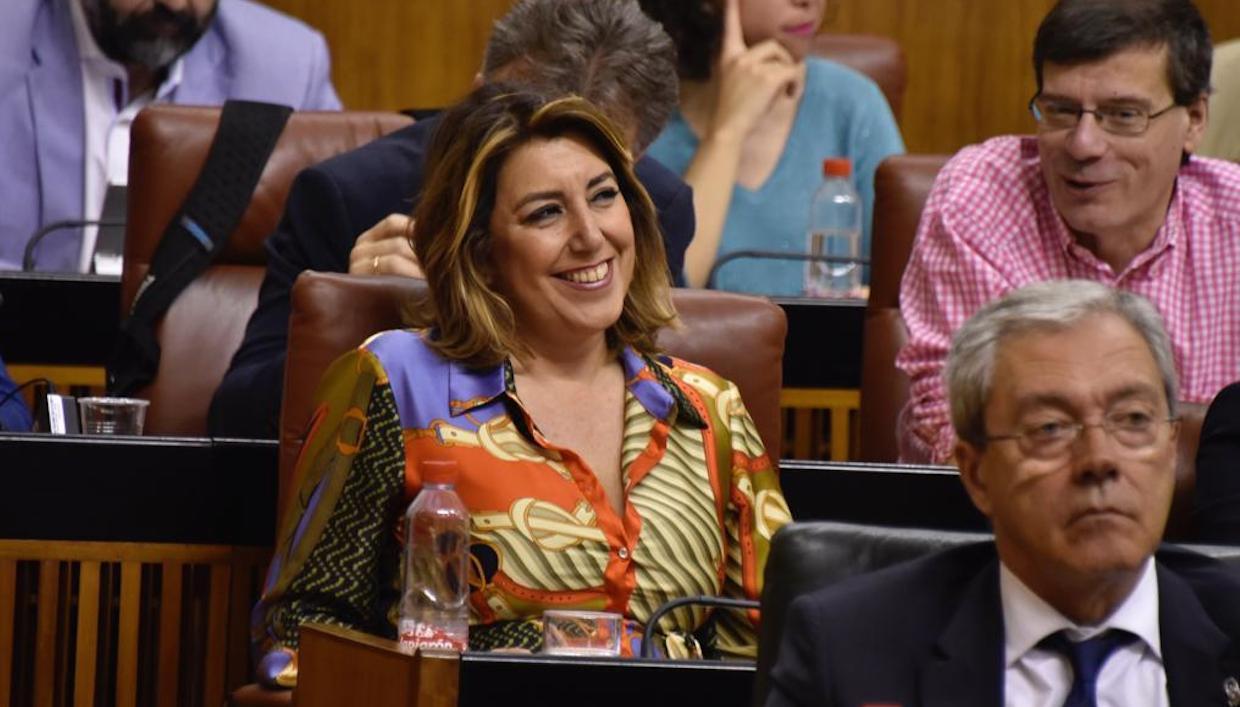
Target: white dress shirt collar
<point>1027,618</point>
<point>108,112</point>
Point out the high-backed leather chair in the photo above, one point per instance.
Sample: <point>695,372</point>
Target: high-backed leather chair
<point>203,328</point>
<point>880,58</point>
<point>805,557</point>
<point>737,336</point>
<point>1180,522</point>
<point>901,186</point>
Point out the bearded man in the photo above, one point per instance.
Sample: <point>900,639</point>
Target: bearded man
<point>75,73</point>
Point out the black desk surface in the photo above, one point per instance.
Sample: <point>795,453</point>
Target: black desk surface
<point>823,348</point>
<point>879,494</point>
<point>71,319</point>
<point>138,489</point>
<point>58,318</point>
<point>171,489</point>
<point>489,679</point>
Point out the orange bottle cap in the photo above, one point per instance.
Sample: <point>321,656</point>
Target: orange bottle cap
<point>837,167</point>
<point>438,471</point>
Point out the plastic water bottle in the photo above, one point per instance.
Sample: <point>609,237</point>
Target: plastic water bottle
<point>434,615</point>
<point>835,230</point>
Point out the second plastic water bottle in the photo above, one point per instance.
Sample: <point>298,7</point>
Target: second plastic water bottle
<point>834,230</point>
<point>434,615</point>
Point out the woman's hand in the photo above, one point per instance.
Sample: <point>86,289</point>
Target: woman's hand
<point>750,78</point>
<point>385,249</point>
<point>750,81</point>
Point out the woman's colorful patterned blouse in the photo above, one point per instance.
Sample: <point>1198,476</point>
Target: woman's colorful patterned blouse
<point>701,502</point>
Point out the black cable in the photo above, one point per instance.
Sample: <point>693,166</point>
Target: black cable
<point>780,255</point>
<point>28,255</point>
<point>27,384</point>
<point>725,602</point>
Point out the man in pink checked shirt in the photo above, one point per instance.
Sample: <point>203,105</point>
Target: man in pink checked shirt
<point>1108,190</point>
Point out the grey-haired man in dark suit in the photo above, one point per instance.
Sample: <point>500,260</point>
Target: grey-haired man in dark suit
<point>1063,399</point>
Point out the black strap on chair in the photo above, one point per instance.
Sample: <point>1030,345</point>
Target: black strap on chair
<point>247,134</point>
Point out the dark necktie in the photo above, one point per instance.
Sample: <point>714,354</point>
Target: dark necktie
<point>1087,658</point>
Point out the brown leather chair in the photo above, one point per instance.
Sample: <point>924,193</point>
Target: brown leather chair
<point>880,58</point>
<point>333,313</point>
<point>737,336</point>
<point>203,327</point>
<point>1180,522</point>
<point>901,185</point>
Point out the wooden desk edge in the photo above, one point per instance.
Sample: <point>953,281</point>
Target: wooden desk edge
<point>340,666</point>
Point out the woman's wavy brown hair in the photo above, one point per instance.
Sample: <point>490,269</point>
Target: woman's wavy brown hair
<point>471,320</point>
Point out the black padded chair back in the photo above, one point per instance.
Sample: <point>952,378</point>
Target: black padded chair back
<point>808,556</point>
<point>1227,554</point>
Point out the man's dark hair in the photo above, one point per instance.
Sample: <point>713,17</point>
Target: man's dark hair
<point>606,51</point>
<point>1081,31</point>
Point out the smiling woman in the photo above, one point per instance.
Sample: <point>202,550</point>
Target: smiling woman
<point>533,196</point>
<point>599,475</point>
<point>563,241</point>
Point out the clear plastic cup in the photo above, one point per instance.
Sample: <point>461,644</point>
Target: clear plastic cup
<point>112,416</point>
<point>581,633</point>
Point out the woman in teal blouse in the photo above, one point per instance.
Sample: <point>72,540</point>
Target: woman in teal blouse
<point>757,117</point>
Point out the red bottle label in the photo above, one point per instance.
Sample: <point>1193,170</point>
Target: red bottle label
<point>420,636</point>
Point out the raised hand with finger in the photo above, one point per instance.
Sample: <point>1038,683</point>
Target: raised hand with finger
<point>742,116</point>
<point>750,79</point>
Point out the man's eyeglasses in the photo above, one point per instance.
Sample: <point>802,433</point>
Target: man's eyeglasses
<point>1053,439</point>
<point>1056,114</point>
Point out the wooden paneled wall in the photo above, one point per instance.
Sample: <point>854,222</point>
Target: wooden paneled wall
<point>397,54</point>
<point>969,68</point>
<point>970,71</point>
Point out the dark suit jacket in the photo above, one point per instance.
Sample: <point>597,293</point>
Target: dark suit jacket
<point>328,207</point>
<point>1216,508</point>
<point>930,633</point>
